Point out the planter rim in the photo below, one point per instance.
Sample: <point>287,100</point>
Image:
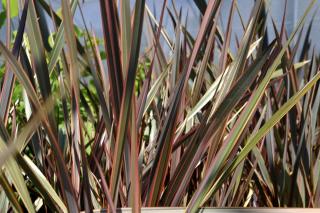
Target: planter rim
<point>218,210</point>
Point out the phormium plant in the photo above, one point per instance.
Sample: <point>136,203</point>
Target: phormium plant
<point>144,118</point>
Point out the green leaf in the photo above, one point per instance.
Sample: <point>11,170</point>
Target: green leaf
<point>42,183</point>
<point>155,88</point>
<point>38,51</point>
<point>14,7</point>
<point>125,18</point>
<point>127,97</point>
<point>59,42</point>
<point>15,175</point>
<point>3,17</point>
<point>10,193</point>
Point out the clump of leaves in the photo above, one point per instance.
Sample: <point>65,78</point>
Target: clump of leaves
<point>101,123</point>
